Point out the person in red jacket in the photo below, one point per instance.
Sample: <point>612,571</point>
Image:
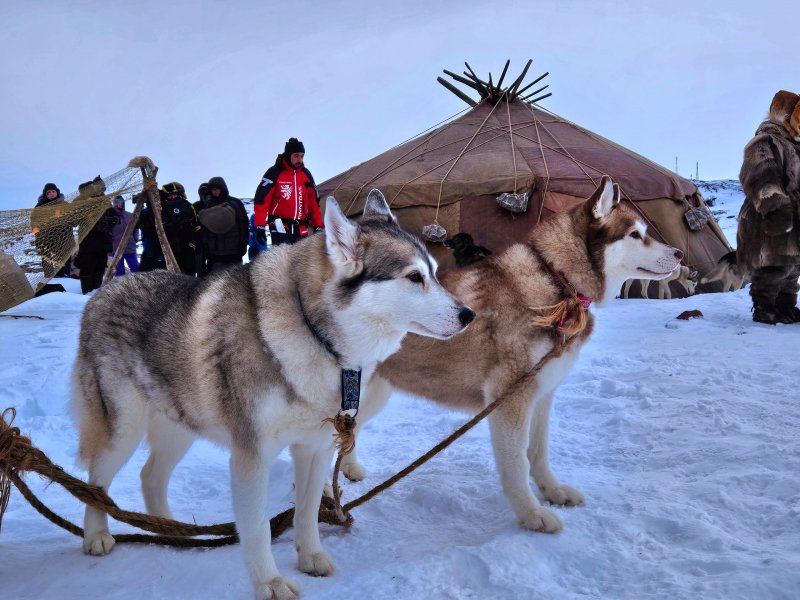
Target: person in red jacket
<point>286,199</point>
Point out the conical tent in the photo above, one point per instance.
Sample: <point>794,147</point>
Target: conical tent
<point>453,175</point>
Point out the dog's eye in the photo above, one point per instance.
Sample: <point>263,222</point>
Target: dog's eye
<point>636,235</point>
<point>415,277</point>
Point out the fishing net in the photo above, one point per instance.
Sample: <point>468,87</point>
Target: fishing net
<point>36,242</point>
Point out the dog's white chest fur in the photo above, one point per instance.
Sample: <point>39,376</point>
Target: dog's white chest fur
<point>555,370</point>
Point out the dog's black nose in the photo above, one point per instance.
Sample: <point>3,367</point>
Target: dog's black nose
<point>466,315</point>
<point>678,254</point>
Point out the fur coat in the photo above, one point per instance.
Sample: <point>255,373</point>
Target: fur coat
<point>772,157</point>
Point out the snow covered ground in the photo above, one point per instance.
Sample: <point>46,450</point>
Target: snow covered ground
<point>683,435</point>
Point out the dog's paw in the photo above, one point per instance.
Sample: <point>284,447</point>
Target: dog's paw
<point>99,543</point>
<point>318,564</point>
<point>562,495</point>
<point>280,588</point>
<point>353,471</point>
<point>541,519</point>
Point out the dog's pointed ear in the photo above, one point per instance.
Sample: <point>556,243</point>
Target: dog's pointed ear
<point>605,198</point>
<point>341,238</point>
<point>376,205</point>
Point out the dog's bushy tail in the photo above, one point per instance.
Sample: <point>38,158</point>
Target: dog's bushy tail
<point>89,414</point>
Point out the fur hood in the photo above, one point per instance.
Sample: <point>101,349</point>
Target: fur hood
<point>772,157</point>
<point>219,182</point>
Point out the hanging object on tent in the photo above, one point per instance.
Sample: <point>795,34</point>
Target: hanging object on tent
<point>495,92</point>
<point>434,233</point>
<point>515,203</point>
<point>696,218</point>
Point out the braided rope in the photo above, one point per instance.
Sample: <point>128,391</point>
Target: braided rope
<point>17,453</point>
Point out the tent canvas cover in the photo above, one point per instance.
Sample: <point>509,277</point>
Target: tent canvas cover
<point>453,174</point>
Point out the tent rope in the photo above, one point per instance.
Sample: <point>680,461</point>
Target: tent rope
<point>455,162</point>
<point>592,179</point>
<point>546,169</point>
<point>441,164</point>
<point>399,162</point>
<point>389,166</point>
<point>513,152</point>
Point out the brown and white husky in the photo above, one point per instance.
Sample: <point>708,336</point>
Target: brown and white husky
<point>595,248</point>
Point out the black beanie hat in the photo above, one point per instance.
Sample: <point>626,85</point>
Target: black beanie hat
<point>50,186</point>
<point>292,146</point>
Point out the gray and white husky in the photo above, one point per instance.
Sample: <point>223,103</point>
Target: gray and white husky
<point>594,247</point>
<point>253,359</point>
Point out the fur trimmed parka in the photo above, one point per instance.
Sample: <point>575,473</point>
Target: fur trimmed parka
<point>771,158</point>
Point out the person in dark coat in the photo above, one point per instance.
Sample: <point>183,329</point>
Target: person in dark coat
<point>202,202</point>
<point>768,239</point>
<point>224,228</point>
<point>129,256</point>
<point>180,224</point>
<point>97,243</point>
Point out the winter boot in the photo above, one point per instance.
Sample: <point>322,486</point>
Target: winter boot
<point>766,315</point>
<point>787,309</point>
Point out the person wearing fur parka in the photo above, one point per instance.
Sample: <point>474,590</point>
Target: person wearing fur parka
<point>768,239</point>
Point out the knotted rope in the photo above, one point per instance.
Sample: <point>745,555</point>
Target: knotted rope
<point>345,443</point>
<point>17,454</point>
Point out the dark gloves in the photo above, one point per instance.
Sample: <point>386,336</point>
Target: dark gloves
<point>261,235</point>
<point>778,214</point>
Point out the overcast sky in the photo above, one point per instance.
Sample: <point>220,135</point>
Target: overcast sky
<point>216,88</point>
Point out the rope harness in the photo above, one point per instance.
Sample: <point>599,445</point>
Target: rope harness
<point>18,455</point>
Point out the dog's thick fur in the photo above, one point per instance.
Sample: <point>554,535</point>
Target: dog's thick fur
<point>684,276</point>
<point>251,358</point>
<point>727,272</point>
<point>597,246</point>
<point>465,251</point>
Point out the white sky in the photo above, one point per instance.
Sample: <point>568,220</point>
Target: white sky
<point>213,88</point>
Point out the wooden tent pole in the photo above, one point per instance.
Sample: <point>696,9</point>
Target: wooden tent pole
<point>532,83</point>
<point>478,88</point>
<point>457,92</point>
<point>512,90</point>
<point>503,75</point>
<point>110,270</point>
<point>151,189</point>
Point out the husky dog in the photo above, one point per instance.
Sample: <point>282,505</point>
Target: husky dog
<point>465,251</point>
<point>252,358</point>
<point>727,272</point>
<point>684,276</point>
<point>595,247</point>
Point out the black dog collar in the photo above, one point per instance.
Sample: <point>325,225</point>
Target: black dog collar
<point>351,389</point>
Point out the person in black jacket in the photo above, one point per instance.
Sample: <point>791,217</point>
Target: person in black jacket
<point>224,228</point>
<point>179,221</point>
<point>97,243</point>
<point>202,202</point>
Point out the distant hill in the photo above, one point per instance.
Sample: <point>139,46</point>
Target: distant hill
<point>724,198</point>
